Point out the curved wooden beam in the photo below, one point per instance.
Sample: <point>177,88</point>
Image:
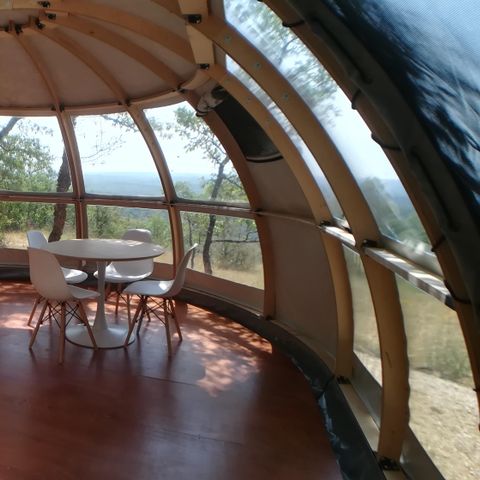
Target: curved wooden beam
<point>137,53</point>
<point>384,129</point>
<point>65,126</point>
<point>125,19</point>
<point>83,55</point>
<point>316,203</point>
<point>302,118</point>
<point>35,58</point>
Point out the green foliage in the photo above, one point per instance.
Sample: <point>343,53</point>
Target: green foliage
<point>112,222</point>
<point>25,166</point>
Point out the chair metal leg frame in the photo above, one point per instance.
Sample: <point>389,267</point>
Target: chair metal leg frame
<point>64,309</point>
<point>144,309</point>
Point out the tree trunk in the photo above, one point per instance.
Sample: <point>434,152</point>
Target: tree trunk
<point>8,127</point>
<point>207,262</point>
<point>60,210</point>
<point>190,239</point>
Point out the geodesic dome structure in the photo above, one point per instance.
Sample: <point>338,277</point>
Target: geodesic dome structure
<point>325,155</point>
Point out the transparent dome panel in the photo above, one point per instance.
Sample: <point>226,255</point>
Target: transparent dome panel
<point>115,158</point>
<point>55,221</point>
<point>365,339</point>
<point>288,128</point>
<point>32,155</point>
<point>378,181</point>
<point>285,51</point>
<point>443,404</point>
<point>198,163</point>
<point>229,247</point>
<point>113,222</point>
<point>385,194</point>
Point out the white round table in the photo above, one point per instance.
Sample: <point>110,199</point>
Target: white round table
<point>102,251</point>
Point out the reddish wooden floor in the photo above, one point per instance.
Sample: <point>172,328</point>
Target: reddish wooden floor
<point>224,407</point>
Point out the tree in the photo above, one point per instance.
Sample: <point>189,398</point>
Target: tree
<point>123,122</point>
<point>25,165</point>
<point>224,182</point>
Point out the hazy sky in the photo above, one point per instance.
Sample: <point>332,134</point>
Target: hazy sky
<point>348,130</point>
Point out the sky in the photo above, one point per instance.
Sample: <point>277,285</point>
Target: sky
<point>348,131</point>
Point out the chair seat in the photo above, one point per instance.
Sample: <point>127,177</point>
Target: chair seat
<point>74,276</point>
<point>82,293</point>
<point>152,288</point>
<point>114,276</point>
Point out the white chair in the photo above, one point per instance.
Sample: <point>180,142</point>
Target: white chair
<point>160,294</point>
<point>120,273</point>
<point>48,279</point>
<point>36,239</point>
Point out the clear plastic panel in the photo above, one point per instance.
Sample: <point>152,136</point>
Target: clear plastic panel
<point>112,222</point>
<point>115,158</point>
<point>16,218</point>
<point>228,247</point>
<point>378,181</point>
<point>32,157</point>
<point>365,340</point>
<point>307,156</point>
<point>443,405</point>
<point>199,166</point>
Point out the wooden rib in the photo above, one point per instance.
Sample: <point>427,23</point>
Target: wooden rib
<point>281,140</point>
<point>314,197</point>
<point>84,56</point>
<point>202,47</point>
<point>71,148</point>
<point>237,158</point>
<point>357,212</point>
<point>169,5</point>
<point>156,151</point>
<point>382,130</point>
<point>393,350</point>
<point>191,7</point>
<point>122,18</point>
<point>302,118</point>
<point>34,57</point>
<point>137,53</point>
<point>65,127</point>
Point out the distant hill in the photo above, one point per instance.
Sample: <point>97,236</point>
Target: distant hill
<point>136,184</point>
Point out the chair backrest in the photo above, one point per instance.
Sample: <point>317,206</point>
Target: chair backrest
<point>46,275</point>
<point>179,279</point>
<point>36,239</point>
<point>136,267</point>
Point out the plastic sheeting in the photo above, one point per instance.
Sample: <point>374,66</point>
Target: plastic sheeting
<point>431,51</point>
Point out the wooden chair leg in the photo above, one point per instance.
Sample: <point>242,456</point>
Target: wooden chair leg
<point>167,328</point>
<point>37,326</point>
<point>35,305</point>
<point>83,316</point>
<point>174,316</point>
<point>118,297</point>
<point>132,323</point>
<point>129,314</point>
<point>144,300</point>
<point>61,350</point>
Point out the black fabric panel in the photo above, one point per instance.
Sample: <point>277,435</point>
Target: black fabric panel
<point>431,51</point>
<point>251,138</point>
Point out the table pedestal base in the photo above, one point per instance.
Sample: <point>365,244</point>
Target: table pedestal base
<point>110,337</point>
